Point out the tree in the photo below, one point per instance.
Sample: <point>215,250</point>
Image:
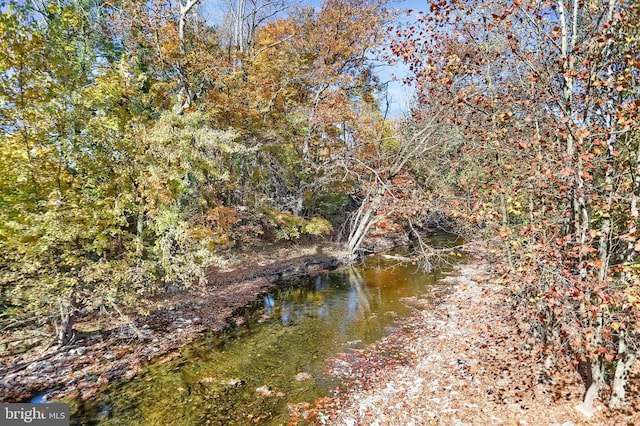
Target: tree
<point>242,20</point>
<point>552,88</point>
<point>135,145</point>
<point>297,100</point>
<point>40,136</point>
<point>98,201</point>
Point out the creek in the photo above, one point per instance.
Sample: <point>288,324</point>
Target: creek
<point>278,356</point>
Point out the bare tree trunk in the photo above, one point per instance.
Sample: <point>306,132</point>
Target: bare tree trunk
<point>621,375</point>
<point>595,379</point>
<point>185,90</point>
<point>238,36</point>
<point>64,330</point>
<point>595,382</point>
<point>634,213</point>
<point>360,225</point>
<point>184,11</point>
<point>568,44</point>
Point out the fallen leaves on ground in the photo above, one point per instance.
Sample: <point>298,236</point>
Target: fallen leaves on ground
<point>458,363</point>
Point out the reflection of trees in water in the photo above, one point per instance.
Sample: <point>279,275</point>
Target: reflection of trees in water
<point>322,282</point>
<point>269,304</point>
<point>293,304</point>
<point>358,294</point>
<point>297,329</point>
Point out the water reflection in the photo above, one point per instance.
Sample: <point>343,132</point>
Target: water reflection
<point>324,299</point>
<point>291,331</point>
<point>269,303</point>
<point>359,293</point>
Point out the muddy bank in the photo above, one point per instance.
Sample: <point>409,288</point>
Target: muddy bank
<point>114,350</point>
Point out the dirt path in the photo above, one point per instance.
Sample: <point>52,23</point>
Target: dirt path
<point>113,350</point>
<point>458,364</point>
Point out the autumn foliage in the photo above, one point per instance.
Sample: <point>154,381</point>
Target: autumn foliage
<point>540,102</point>
<point>139,140</point>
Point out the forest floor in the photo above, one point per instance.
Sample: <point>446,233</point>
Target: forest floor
<point>457,361</point>
<point>107,347</point>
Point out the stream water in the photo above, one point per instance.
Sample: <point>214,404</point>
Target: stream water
<point>250,373</point>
